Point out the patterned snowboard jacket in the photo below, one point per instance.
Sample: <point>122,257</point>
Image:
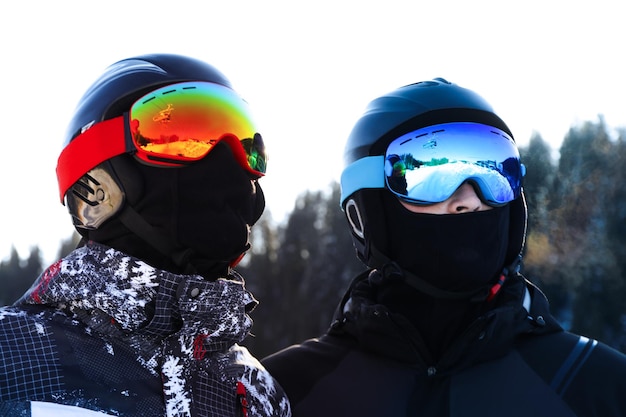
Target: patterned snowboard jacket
<point>102,333</point>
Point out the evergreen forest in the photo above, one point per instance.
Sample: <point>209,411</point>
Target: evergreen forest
<point>575,247</point>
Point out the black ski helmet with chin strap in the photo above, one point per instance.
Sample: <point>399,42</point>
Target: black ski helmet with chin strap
<point>388,117</point>
<point>105,191</point>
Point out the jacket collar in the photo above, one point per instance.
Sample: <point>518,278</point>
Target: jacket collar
<point>118,294</point>
<point>491,335</point>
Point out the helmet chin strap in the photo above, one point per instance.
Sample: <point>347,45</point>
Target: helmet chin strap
<point>141,228</point>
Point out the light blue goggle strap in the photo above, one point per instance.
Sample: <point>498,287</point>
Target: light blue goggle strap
<point>368,172</point>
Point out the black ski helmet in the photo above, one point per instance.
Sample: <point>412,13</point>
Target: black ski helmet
<point>126,80</point>
<point>386,118</point>
<point>109,189</point>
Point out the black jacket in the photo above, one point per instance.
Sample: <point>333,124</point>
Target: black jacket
<point>514,360</point>
<point>102,331</point>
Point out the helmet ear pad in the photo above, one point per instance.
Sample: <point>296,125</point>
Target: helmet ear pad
<point>355,220</point>
<point>365,213</point>
<point>102,193</point>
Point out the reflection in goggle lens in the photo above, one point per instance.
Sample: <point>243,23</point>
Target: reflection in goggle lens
<point>181,123</point>
<point>426,166</point>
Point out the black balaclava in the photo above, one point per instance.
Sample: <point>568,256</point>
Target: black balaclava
<point>204,210</point>
<point>453,252</point>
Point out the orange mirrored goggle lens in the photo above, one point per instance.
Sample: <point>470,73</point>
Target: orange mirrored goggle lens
<point>181,123</point>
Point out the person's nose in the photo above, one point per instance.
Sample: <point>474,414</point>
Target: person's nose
<point>465,200</point>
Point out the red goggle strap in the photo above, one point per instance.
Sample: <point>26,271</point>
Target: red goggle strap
<point>97,144</point>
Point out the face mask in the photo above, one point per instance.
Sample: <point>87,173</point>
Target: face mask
<point>205,209</point>
<point>455,252</point>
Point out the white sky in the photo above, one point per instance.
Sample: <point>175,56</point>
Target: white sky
<point>308,70</point>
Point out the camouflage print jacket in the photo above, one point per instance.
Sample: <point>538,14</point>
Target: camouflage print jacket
<point>102,331</point>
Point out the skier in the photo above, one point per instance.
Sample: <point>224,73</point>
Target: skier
<point>442,323</point>
<point>160,174</point>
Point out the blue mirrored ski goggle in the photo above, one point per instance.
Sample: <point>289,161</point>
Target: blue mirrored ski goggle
<point>426,166</point>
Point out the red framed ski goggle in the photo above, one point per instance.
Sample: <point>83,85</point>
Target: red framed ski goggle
<point>173,126</point>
